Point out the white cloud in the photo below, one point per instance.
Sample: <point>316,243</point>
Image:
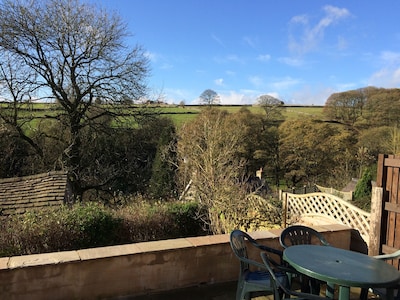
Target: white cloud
<point>390,57</point>
<point>284,83</point>
<point>334,13</point>
<point>301,19</point>
<point>256,81</point>
<point>219,81</point>
<point>229,58</point>
<point>346,86</point>
<point>388,76</point>
<point>264,57</point>
<point>342,43</point>
<point>252,42</point>
<point>151,56</point>
<point>234,58</point>
<point>231,97</point>
<point>291,61</point>
<point>309,36</point>
<point>166,66</point>
<point>241,97</point>
<point>308,95</point>
<point>177,95</point>
<point>218,40</point>
<point>161,60</point>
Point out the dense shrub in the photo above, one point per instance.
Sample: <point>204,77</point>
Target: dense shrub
<point>144,221</point>
<point>184,216</point>
<point>94,225</point>
<point>363,190</point>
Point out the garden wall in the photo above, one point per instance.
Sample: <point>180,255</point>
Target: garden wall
<point>134,269</point>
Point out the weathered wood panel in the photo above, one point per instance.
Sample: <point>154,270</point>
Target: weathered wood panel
<point>388,178</point>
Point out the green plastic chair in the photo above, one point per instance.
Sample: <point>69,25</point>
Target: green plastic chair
<point>253,276</point>
<point>378,291</point>
<point>303,235</point>
<point>281,289</point>
<point>300,235</point>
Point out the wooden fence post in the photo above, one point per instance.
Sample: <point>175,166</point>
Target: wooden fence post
<point>283,198</point>
<point>375,221</point>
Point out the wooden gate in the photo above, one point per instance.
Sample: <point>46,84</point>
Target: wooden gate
<point>385,206</point>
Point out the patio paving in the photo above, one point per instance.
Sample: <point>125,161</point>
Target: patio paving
<point>225,291</point>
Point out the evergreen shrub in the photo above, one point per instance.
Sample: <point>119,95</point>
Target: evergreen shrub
<point>363,190</point>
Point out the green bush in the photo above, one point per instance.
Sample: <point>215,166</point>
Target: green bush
<point>144,221</point>
<point>93,225</point>
<point>185,217</point>
<point>363,190</point>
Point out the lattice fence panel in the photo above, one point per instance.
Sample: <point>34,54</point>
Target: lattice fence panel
<point>330,206</point>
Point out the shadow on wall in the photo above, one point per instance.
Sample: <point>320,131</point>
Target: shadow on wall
<point>357,243</point>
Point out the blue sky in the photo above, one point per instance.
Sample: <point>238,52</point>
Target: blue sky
<point>298,51</point>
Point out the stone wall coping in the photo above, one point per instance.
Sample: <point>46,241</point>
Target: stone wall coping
<point>110,251</point>
<point>209,239</point>
<point>4,263</point>
<point>129,249</point>
<point>155,246</point>
<point>52,258</point>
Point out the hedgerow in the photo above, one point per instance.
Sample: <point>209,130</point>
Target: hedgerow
<point>95,225</point>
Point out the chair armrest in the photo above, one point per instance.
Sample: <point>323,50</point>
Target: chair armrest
<point>324,241</point>
<point>283,267</point>
<point>253,263</point>
<point>393,255</point>
<point>270,250</point>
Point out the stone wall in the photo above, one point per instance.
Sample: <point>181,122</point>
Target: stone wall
<point>21,194</point>
<point>135,269</point>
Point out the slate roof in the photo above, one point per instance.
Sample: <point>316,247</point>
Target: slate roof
<point>21,194</point>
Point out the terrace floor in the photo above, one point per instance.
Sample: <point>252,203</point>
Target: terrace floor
<point>226,291</point>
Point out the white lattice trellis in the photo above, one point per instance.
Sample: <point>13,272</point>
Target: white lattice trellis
<point>330,206</point>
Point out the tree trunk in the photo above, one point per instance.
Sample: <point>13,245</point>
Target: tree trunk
<point>72,158</point>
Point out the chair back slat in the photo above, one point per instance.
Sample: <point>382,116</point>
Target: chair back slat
<point>301,235</point>
<point>238,244</point>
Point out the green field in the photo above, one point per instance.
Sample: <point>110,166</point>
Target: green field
<point>180,115</point>
<point>183,114</point>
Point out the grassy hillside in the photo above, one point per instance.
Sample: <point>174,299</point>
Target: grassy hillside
<point>181,115</point>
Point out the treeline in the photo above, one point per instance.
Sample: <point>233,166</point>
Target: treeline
<point>374,114</point>
<point>365,107</point>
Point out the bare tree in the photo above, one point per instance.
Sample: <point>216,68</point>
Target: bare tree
<point>209,97</point>
<point>17,91</point>
<point>272,106</point>
<point>76,54</point>
<point>208,148</point>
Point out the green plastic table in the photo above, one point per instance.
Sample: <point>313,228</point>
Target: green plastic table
<point>342,267</point>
